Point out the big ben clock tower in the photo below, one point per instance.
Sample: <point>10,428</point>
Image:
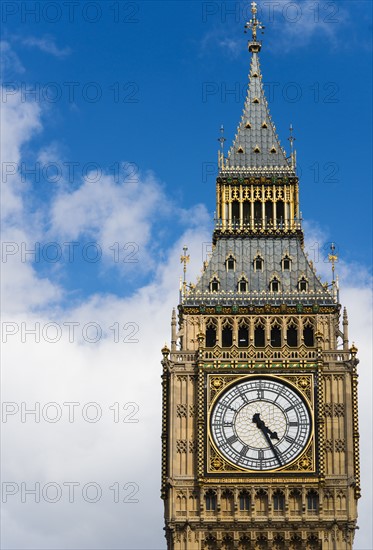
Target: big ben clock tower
<point>260,442</point>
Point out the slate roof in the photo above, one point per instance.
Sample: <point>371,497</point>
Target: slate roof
<point>256,145</point>
<point>272,251</point>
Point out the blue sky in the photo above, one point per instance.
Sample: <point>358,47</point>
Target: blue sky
<point>150,83</point>
<point>145,86</point>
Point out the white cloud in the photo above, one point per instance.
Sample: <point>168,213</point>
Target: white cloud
<point>10,61</point>
<point>105,372</point>
<point>45,44</point>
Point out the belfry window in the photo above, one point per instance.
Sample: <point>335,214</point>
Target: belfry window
<point>269,212</point>
<point>292,336</point>
<point>227,335</point>
<point>276,336</point>
<point>214,285</point>
<point>210,335</point>
<point>230,263</point>
<point>235,211</point>
<point>246,212</point>
<point>274,285</point>
<point>258,212</point>
<point>259,336</point>
<point>308,336</point>
<point>280,212</point>
<point>302,285</point>
<point>243,336</point>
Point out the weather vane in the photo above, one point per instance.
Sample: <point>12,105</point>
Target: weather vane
<point>254,23</point>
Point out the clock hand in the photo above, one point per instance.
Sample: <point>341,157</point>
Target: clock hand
<point>261,425</point>
<point>266,431</point>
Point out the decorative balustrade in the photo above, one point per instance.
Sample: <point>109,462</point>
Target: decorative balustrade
<point>200,298</point>
<point>257,226</point>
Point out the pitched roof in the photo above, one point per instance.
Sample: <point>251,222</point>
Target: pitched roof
<point>256,147</point>
<point>272,251</point>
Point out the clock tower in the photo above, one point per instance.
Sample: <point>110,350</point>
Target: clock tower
<point>260,442</point>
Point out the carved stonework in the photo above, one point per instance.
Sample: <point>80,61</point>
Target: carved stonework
<point>181,411</point>
<point>193,410</point>
<point>339,409</point>
<point>181,446</point>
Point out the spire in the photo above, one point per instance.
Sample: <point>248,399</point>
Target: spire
<point>173,330</point>
<point>345,330</point>
<point>256,148</point>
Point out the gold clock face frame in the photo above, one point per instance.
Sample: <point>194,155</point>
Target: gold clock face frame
<point>260,423</point>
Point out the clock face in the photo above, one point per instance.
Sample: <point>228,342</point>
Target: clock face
<point>260,424</point>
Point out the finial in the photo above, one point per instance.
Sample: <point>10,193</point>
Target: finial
<point>165,351</point>
<point>333,258</point>
<point>185,259</point>
<point>291,139</point>
<point>221,140</point>
<point>254,24</point>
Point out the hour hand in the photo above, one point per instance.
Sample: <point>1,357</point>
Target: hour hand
<point>261,425</point>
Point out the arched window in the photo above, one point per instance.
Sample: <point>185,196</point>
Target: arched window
<point>278,543</point>
<point>302,285</point>
<point>243,336</point>
<point>295,543</point>
<point>261,543</point>
<point>274,285</point>
<point>244,501</point>
<point>258,263</point>
<point>292,335</point>
<point>227,335</point>
<point>244,543</point>
<point>261,503</point>
<point>181,504</point>
<point>312,502</point>
<point>269,212</point>
<point>210,501</point>
<point>227,502</point>
<point>278,503</point>
<point>286,263</point>
<point>280,213</point>
<point>227,543</point>
<point>259,336</point>
<point>258,212</point>
<point>312,543</point>
<point>230,263</point>
<point>214,284</point>
<point>295,502</point>
<point>210,543</point>
<point>246,212</point>
<point>242,285</point>
<point>235,212</point>
<point>210,335</point>
<point>308,336</point>
<point>276,336</point>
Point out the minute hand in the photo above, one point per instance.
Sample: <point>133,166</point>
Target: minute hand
<point>266,431</point>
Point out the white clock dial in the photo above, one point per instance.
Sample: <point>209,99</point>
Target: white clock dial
<point>260,424</point>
